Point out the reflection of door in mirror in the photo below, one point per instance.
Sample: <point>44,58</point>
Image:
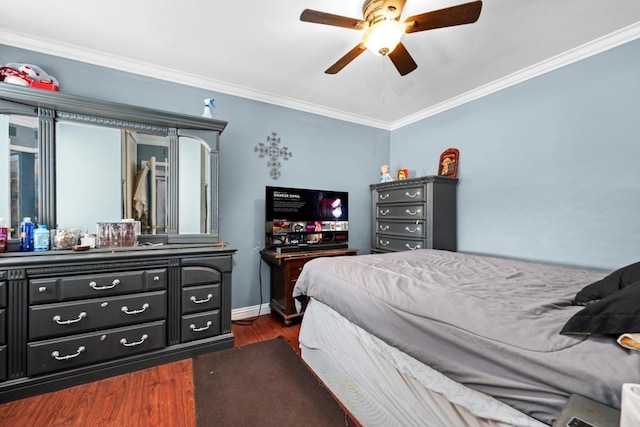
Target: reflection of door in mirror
<point>87,175</point>
<point>146,171</point>
<point>193,186</point>
<point>19,168</point>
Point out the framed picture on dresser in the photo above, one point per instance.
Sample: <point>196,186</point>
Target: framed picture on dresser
<point>448,165</point>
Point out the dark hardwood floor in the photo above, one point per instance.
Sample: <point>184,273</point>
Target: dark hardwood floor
<point>159,396</point>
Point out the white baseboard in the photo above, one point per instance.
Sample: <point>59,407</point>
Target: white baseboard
<point>252,311</point>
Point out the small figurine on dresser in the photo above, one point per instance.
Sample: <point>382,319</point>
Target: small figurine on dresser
<point>385,176</point>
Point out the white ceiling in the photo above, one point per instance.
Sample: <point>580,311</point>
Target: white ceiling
<point>260,50</point>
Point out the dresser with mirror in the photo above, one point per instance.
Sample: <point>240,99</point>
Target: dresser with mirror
<point>68,317</point>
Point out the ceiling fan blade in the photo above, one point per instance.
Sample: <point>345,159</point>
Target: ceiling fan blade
<point>457,15</point>
<point>345,60</point>
<point>402,60</point>
<point>317,17</point>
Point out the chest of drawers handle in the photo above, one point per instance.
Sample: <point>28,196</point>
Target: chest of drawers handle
<point>414,195</point>
<point>201,301</point>
<point>126,310</point>
<point>384,196</point>
<point>413,248</point>
<point>384,212</point>
<point>113,284</point>
<point>56,354</point>
<point>143,338</point>
<point>414,230</point>
<point>384,227</point>
<point>59,320</point>
<point>204,328</point>
<point>414,213</point>
<point>384,243</point>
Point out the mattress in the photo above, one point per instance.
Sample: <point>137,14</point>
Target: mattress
<point>381,386</point>
<point>489,323</point>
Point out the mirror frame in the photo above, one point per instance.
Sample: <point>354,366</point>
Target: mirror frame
<point>50,106</point>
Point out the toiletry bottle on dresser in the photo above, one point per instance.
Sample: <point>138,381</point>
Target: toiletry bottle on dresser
<point>4,236</point>
<point>26,235</point>
<point>41,238</point>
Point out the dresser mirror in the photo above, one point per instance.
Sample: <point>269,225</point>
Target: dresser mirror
<point>19,166</point>
<point>71,162</point>
<point>88,182</point>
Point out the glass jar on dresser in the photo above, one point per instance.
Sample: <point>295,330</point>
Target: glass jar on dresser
<point>411,214</point>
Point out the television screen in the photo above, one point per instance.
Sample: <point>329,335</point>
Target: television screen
<point>302,219</point>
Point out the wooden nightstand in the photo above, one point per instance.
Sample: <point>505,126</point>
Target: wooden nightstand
<point>285,270</point>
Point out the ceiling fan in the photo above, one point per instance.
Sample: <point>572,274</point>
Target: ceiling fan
<point>383,29</point>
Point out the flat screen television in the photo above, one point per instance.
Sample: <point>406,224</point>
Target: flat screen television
<point>299,219</point>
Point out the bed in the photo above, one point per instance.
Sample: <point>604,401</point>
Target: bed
<point>438,338</point>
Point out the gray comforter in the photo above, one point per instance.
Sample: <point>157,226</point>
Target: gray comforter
<point>490,323</point>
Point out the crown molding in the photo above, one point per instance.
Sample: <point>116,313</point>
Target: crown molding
<point>594,47</point>
<point>73,52</point>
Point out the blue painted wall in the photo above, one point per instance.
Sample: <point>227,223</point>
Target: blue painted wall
<point>327,154</point>
<point>548,168</point>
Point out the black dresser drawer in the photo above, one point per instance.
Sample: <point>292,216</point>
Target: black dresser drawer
<point>3,363</point>
<point>3,294</point>
<point>200,298</point>
<point>3,326</point>
<point>79,350</point>
<point>51,320</point>
<point>405,194</point>
<point>405,228</point>
<point>200,325</point>
<point>76,287</point>
<point>199,275</point>
<point>397,243</point>
<point>415,212</point>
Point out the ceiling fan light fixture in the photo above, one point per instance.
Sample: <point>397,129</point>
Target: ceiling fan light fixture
<point>383,36</point>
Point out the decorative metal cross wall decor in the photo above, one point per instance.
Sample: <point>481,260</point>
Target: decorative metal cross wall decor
<point>274,152</point>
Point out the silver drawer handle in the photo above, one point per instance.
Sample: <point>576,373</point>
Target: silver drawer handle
<point>204,328</point>
<point>416,212</point>
<point>413,248</point>
<point>201,301</point>
<point>59,320</point>
<point>414,195</point>
<point>384,196</point>
<point>156,278</point>
<point>124,342</point>
<point>42,289</point>
<point>415,230</point>
<point>125,309</point>
<point>384,212</point>
<point>384,243</point>
<point>113,284</point>
<point>384,227</point>
<point>56,354</point>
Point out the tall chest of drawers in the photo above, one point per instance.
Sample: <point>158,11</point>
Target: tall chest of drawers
<point>68,318</point>
<point>417,213</point>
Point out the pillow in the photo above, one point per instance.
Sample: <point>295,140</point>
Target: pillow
<point>611,284</point>
<point>618,313</point>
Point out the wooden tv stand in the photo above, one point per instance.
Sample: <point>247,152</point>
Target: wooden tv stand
<point>285,270</point>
